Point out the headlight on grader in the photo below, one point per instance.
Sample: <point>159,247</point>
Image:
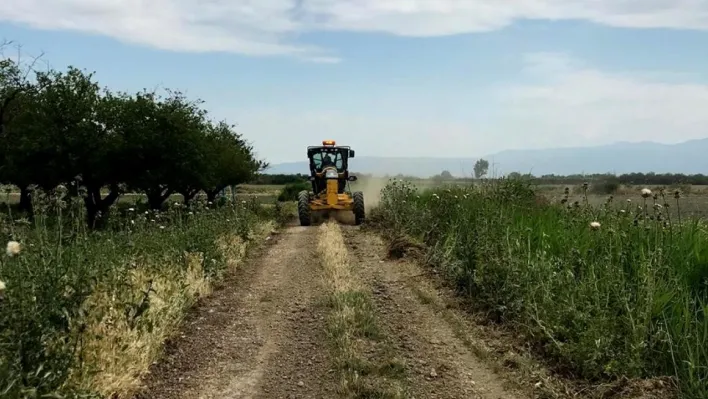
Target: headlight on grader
<point>331,174</point>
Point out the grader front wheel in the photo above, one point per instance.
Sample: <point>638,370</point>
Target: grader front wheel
<point>359,209</point>
<point>303,208</point>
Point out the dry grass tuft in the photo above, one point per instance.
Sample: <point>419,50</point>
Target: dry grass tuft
<point>124,329</point>
<point>335,258</point>
<point>359,350</point>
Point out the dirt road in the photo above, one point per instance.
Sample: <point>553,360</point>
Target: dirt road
<point>296,322</point>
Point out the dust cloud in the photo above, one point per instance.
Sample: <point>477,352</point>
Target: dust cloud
<point>371,187</point>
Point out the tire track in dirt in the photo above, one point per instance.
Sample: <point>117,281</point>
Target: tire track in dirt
<point>261,336</point>
<point>438,362</point>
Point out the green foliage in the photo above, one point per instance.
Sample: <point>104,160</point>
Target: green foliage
<point>290,191</point>
<point>481,167</point>
<point>624,297</point>
<point>63,129</point>
<point>280,179</point>
<point>444,175</point>
<point>73,148</point>
<point>61,264</point>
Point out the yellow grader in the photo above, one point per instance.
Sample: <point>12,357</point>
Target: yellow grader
<point>329,175</point>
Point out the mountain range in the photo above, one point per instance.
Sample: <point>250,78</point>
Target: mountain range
<point>688,157</point>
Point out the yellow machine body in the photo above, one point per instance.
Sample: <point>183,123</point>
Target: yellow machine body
<point>331,199</point>
<point>328,181</point>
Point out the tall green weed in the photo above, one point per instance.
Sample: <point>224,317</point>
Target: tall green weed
<point>619,290</point>
<point>62,284</point>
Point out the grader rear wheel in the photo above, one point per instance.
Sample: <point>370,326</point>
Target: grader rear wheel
<point>303,208</point>
<point>359,209</point>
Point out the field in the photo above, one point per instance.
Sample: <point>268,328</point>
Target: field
<point>516,293</point>
<point>602,290</point>
<point>87,312</point>
<point>601,287</point>
<point>132,270</point>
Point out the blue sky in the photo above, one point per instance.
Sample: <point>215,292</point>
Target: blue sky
<point>400,77</point>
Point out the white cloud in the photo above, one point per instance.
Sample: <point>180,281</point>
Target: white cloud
<point>574,104</point>
<point>268,27</point>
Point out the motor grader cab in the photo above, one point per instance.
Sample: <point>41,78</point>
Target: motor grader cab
<point>329,175</point>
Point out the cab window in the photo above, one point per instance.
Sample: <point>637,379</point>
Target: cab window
<point>317,160</point>
<point>325,158</point>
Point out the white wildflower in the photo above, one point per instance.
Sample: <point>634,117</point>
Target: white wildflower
<point>13,248</point>
<point>595,225</point>
<point>131,209</point>
<point>646,192</point>
<point>162,227</point>
<point>2,286</point>
<point>191,213</point>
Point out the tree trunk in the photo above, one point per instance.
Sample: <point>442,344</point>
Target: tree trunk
<point>156,197</point>
<point>26,200</point>
<point>188,195</point>
<point>96,207</point>
<point>211,194</point>
<point>91,211</point>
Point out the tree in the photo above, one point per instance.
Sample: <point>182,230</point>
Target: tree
<point>162,137</point>
<point>14,81</point>
<point>66,130</point>
<point>514,175</point>
<point>446,175</point>
<point>233,160</point>
<point>480,168</point>
<point>80,122</point>
<point>15,88</point>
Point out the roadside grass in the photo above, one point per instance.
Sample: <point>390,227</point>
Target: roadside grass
<point>604,293</point>
<point>85,313</point>
<point>363,357</point>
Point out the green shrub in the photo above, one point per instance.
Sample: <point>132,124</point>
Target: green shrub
<point>290,191</point>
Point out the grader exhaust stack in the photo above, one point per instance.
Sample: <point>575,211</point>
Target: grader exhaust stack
<point>329,174</point>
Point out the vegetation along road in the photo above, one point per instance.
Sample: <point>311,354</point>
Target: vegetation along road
<point>321,312</point>
<point>127,275</point>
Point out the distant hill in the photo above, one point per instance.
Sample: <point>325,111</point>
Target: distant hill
<point>688,157</point>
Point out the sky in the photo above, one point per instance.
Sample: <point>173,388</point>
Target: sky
<point>437,78</point>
